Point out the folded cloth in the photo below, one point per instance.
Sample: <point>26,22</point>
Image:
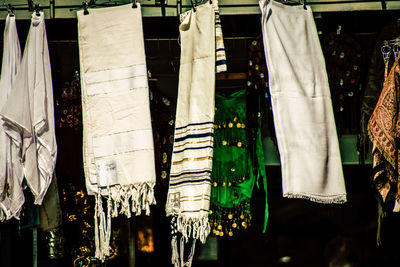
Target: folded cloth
<point>11,170</point>
<point>118,147</point>
<point>28,113</point>
<point>301,105</point>
<point>220,56</point>
<point>188,197</point>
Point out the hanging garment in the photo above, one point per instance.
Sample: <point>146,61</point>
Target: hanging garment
<point>301,104</point>
<point>11,170</point>
<point>220,56</point>
<point>29,113</point>
<point>384,128</point>
<point>117,133</point>
<point>233,174</point>
<point>189,188</point>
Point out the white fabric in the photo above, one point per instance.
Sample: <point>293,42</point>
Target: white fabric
<point>11,170</point>
<point>301,105</point>
<point>189,188</point>
<point>117,134</point>
<point>29,112</point>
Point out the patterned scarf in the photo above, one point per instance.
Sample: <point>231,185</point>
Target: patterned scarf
<point>384,131</point>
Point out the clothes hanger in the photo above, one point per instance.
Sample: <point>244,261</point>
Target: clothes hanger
<point>92,3</point>
<point>194,3</point>
<point>37,10</point>
<point>10,11</point>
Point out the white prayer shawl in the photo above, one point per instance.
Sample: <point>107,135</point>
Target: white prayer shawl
<point>11,170</point>
<point>118,149</point>
<point>189,188</point>
<point>29,113</point>
<point>220,65</point>
<point>301,105</point>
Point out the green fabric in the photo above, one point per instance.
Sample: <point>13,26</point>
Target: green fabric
<point>233,176</point>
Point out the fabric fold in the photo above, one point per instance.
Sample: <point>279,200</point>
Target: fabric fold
<point>29,111</point>
<point>301,105</point>
<point>118,148</point>
<point>11,170</point>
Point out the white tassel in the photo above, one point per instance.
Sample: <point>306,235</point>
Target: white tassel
<point>175,255</point>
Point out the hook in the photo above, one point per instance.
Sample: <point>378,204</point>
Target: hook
<point>194,8</point>
<point>304,4</point>
<point>85,8</point>
<point>37,10</point>
<point>10,11</point>
<point>134,4</point>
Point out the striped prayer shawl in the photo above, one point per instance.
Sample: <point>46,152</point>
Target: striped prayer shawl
<point>190,187</point>
<point>219,42</point>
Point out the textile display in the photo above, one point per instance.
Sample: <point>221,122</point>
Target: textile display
<point>220,65</point>
<point>11,170</point>
<point>189,187</point>
<point>301,105</point>
<point>233,176</point>
<point>117,134</point>
<point>28,113</point>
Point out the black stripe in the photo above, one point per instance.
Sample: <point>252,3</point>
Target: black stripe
<point>183,211</point>
<point>193,136</point>
<point>193,124</point>
<point>220,49</point>
<point>221,62</point>
<point>195,172</point>
<point>190,182</point>
<point>192,148</point>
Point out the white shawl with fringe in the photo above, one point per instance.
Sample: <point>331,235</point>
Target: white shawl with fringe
<point>117,134</point>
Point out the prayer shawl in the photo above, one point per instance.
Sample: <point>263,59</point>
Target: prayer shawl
<point>29,112</point>
<point>220,65</point>
<point>384,131</point>
<point>189,188</point>
<point>301,105</point>
<point>118,148</point>
<point>11,170</point>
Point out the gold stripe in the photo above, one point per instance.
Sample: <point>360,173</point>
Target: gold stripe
<point>192,159</point>
<point>206,141</point>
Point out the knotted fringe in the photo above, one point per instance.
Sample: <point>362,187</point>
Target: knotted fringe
<point>381,216</point>
<point>196,228</point>
<point>141,196</point>
<point>332,199</point>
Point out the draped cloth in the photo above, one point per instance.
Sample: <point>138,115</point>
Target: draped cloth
<point>11,170</point>
<point>189,188</point>
<point>384,131</point>
<point>28,113</point>
<point>118,148</point>
<point>301,105</point>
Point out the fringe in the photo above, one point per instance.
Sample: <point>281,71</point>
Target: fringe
<point>334,199</point>
<point>197,228</point>
<point>133,198</point>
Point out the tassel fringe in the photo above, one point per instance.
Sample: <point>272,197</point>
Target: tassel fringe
<point>197,228</point>
<point>120,200</point>
<point>333,199</point>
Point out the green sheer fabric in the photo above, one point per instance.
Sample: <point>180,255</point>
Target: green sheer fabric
<point>234,172</point>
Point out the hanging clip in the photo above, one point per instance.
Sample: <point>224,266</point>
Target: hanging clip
<point>396,49</point>
<point>304,4</point>
<point>193,6</point>
<point>10,11</point>
<point>386,49</point>
<point>85,8</point>
<point>37,10</point>
<point>134,4</point>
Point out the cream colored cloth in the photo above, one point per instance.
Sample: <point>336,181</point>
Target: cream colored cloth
<point>11,169</point>
<point>117,134</point>
<point>189,191</point>
<point>301,104</point>
<point>28,113</point>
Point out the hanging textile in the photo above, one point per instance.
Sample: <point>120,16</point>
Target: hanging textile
<point>189,188</point>
<point>28,113</point>
<point>384,130</point>
<point>301,104</point>
<point>234,174</point>
<point>220,55</point>
<point>11,170</point>
<point>117,134</point>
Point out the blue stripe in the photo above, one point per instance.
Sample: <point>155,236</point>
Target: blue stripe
<point>194,124</point>
<point>221,62</point>
<point>192,148</point>
<point>220,49</point>
<point>189,182</point>
<point>191,171</point>
<point>190,178</point>
<point>193,136</point>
